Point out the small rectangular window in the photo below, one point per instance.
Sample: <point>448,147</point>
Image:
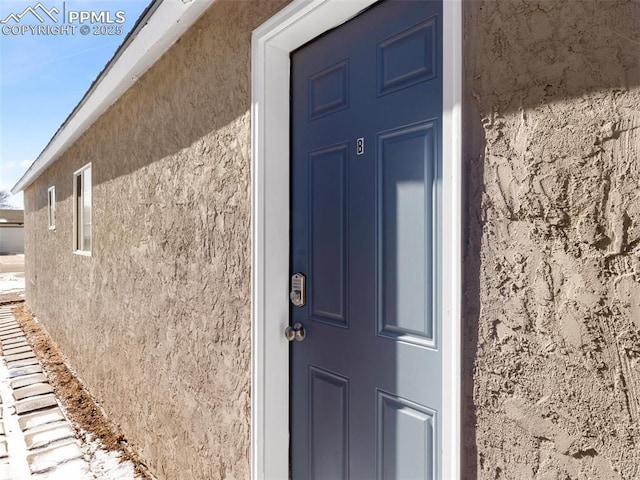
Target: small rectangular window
<point>51,194</point>
<point>82,210</point>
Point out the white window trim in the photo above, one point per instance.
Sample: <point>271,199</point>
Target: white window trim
<point>272,42</point>
<point>76,250</point>
<point>51,206</point>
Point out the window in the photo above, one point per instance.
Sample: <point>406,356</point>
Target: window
<point>82,210</point>
<point>51,194</point>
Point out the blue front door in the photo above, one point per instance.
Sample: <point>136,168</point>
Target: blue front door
<point>365,234</point>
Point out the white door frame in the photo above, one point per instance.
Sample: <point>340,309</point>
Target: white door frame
<point>272,42</point>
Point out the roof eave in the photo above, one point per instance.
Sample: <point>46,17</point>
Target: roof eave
<point>159,27</point>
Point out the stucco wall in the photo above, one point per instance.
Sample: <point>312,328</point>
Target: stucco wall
<point>552,293</point>
<point>157,321</point>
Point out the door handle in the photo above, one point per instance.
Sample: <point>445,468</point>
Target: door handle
<point>297,332</point>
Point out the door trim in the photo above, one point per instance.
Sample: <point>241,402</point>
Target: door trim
<point>272,42</point>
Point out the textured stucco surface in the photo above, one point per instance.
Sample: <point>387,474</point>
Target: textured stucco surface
<point>552,293</point>
<point>157,320</point>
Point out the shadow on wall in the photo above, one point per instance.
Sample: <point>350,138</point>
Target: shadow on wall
<point>551,160</point>
<point>202,85</point>
<point>521,55</point>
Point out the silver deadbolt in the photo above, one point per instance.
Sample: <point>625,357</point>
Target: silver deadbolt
<point>297,290</point>
<point>297,332</point>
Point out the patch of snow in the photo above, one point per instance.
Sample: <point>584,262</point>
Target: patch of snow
<point>11,283</point>
<point>16,446</point>
<point>105,464</point>
<point>75,469</point>
<point>61,459</point>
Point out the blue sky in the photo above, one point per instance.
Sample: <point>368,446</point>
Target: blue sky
<point>43,77</point>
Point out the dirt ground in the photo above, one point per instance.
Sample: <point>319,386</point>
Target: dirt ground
<point>80,406</point>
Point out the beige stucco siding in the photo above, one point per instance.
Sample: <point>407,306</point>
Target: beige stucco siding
<point>552,306</point>
<point>157,320</point>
